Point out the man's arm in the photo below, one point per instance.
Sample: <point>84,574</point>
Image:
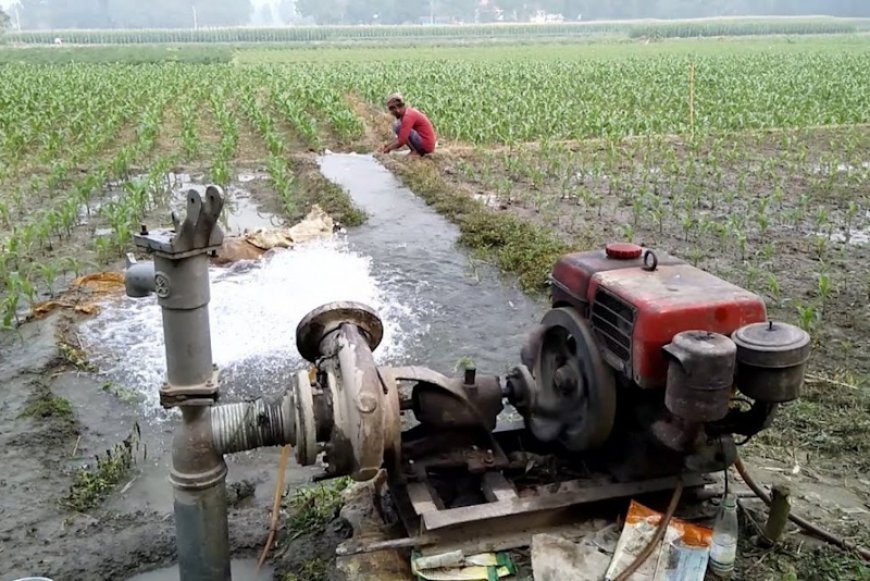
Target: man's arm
<point>391,147</point>
<point>405,130</point>
<point>404,134</point>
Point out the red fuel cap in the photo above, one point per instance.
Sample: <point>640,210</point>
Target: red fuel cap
<point>623,250</point>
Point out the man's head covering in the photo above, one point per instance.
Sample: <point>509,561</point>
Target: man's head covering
<point>395,98</point>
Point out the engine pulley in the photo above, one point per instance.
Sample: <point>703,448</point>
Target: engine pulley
<point>573,397</point>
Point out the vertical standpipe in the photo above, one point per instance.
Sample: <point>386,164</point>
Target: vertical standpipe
<point>179,278</point>
<point>198,472</point>
<point>183,295</point>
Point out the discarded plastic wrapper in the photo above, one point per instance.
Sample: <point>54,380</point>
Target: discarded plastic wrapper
<point>454,566</point>
<point>252,245</point>
<point>681,555</point>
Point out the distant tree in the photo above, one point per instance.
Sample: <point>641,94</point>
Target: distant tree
<point>36,14</point>
<point>133,13</point>
<point>462,10</point>
<point>4,21</point>
<point>323,11</point>
<point>401,12</point>
<point>287,11</point>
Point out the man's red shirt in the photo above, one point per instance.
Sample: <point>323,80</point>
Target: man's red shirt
<point>416,120</point>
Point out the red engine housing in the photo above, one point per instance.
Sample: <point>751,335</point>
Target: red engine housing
<point>634,311</point>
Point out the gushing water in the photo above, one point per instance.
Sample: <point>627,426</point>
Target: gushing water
<point>437,304</point>
<point>254,310</point>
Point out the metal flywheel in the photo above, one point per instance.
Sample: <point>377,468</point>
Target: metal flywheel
<point>574,396</point>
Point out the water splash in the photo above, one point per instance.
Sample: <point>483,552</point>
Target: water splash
<point>254,310</point>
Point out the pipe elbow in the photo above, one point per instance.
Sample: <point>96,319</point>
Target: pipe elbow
<point>138,278</point>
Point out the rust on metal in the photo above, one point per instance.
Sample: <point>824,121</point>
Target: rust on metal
<point>326,319</point>
<point>700,375</point>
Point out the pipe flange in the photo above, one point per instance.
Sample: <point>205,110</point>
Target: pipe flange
<point>322,321</point>
<point>306,430</point>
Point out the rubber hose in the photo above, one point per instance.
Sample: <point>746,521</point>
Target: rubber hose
<point>802,523</point>
<point>657,536</point>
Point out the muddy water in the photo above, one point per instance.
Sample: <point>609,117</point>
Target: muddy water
<point>242,569</point>
<point>254,310</point>
<point>438,305</point>
<point>467,308</point>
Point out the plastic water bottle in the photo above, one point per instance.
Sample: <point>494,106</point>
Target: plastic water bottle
<point>723,551</point>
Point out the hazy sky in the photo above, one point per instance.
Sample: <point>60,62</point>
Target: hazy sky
<point>8,3</point>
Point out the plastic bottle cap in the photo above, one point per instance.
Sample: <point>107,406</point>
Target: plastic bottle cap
<point>623,250</point>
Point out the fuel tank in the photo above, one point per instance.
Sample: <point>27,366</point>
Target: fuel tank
<point>570,278</point>
<point>637,300</point>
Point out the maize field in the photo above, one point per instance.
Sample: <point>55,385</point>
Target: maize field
<point>70,133</point>
<point>517,31</point>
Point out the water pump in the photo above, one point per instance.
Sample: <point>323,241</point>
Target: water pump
<point>640,374</point>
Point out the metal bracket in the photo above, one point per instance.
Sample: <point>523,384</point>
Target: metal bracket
<point>198,234</point>
<point>191,395</point>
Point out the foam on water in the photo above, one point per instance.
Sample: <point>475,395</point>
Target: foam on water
<point>254,311</point>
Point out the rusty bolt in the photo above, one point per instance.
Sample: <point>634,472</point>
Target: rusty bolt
<point>489,458</point>
<point>143,230</point>
<point>367,403</point>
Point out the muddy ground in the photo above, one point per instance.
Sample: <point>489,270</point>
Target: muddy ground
<point>38,535</point>
<point>58,414</point>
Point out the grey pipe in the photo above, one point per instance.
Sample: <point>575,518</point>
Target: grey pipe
<point>138,278</point>
<point>182,288</point>
<point>198,477</point>
<point>179,278</point>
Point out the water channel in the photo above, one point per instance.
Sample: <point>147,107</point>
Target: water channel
<point>438,305</point>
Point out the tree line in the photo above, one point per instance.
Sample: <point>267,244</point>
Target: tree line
<point>57,14</point>
<point>397,11</point>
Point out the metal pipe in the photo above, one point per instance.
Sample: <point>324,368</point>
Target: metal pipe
<point>239,427</point>
<point>198,476</point>
<point>179,278</point>
<point>183,294</point>
<point>198,473</point>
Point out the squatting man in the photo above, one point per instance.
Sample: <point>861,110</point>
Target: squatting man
<point>412,128</point>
